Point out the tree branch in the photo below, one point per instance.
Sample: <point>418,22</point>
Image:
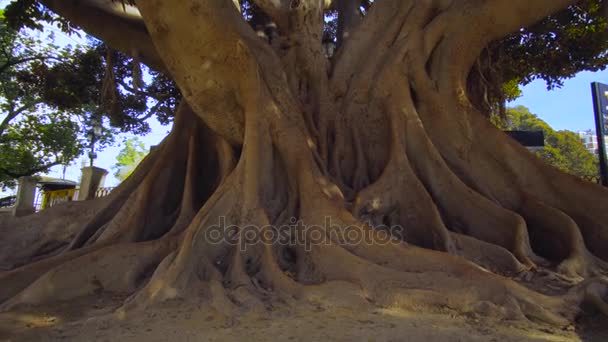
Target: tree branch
<point>157,97</point>
<point>499,18</point>
<point>152,111</point>
<point>25,60</point>
<point>14,113</point>
<point>210,64</point>
<point>493,20</point>
<point>127,34</point>
<point>277,10</point>
<point>222,64</point>
<point>30,172</point>
<point>6,120</point>
<point>470,25</point>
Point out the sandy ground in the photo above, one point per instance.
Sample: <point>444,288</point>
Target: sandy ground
<point>316,319</point>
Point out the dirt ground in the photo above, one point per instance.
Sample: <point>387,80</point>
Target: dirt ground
<point>335,315</point>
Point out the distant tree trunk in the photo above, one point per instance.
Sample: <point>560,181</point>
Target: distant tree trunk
<point>382,135</point>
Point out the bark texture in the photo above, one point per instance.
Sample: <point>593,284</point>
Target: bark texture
<point>380,135</point>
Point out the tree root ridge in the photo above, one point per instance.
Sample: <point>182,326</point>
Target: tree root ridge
<point>385,183</point>
<point>243,274</point>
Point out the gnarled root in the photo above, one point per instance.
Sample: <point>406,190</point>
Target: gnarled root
<point>559,238</point>
<point>192,224</point>
<point>118,268</point>
<point>243,272</point>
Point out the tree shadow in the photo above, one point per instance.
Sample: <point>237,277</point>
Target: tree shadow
<point>592,328</point>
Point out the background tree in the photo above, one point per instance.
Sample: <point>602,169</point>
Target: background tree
<point>33,137</point>
<point>389,130</point>
<point>34,144</point>
<point>129,157</point>
<point>49,95</point>
<point>563,149</point>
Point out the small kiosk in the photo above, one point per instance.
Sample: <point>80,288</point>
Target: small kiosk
<point>55,191</point>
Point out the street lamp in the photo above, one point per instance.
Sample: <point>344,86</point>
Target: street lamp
<point>93,134</point>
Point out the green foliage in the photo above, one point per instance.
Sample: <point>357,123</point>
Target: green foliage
<point>37,142</point>
<point>31,14</point>
<point>82,81</point>
<point>33,136</point>
<point>46,89</point>
<point>563,149</point>
<point>559,46</point>
<point>116,83</point>
<point>555,49</point>
<point>129,157</point>
<point>511,89</point>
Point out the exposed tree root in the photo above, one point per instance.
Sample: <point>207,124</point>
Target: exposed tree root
<point>382,170</point>
<point>559,239</point>
<point>490,256</point>
<point>399,201</point>
<point>30,242</point>
<point>555,227</point>
<point>244,274</point>
<point>458,202</point>
<point>117,268</point>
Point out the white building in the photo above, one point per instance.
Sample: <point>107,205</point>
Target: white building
<point>589,139</point>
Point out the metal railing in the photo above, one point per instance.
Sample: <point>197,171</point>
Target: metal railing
<point>55,197</point>
<point>103,192</point>
<point>7,202</point>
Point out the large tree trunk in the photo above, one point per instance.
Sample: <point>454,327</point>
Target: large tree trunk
<point>386,174</point>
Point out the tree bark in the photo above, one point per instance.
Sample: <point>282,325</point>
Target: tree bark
<point>125,34</point>
<point>381,136</point>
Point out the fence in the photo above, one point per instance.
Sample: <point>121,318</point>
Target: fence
<point>103,192</point>
<point>7,202</point>
<point>55,197</point>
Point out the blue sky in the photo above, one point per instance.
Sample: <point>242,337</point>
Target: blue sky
<point>568,108</point>
<point>107,158</point>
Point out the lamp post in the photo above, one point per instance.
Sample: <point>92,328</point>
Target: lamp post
<point>94,133</point>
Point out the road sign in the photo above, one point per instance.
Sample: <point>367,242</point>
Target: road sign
<point>600,107</point>
<point>528,138</point>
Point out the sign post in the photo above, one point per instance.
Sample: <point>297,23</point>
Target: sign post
<point>600,107</point>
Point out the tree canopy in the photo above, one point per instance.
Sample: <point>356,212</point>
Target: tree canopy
<point>125,92</point>
<point>34,136</point>
<point>51,94</point>
<point>553,49</point>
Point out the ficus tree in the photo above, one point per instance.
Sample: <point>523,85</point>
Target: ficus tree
<point>383,147</point>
